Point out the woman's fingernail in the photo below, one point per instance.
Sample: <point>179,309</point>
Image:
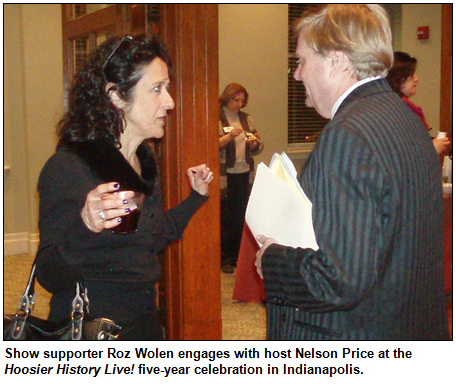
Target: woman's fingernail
<point>125,201</point>
<point>116,186</point>
<point>119,220</point>
<point>127,210</point>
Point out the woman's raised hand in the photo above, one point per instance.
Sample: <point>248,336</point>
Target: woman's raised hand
<point>200,178</point>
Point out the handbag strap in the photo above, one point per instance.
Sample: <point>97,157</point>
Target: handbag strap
<point>27,302</point>
<point>80,301</point>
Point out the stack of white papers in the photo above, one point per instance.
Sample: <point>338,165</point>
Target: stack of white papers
<point>278,207</point>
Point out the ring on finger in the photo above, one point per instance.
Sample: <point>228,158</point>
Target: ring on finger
<point>102,215</point>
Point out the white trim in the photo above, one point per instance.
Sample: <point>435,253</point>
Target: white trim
<point>17,243</point>
<point>33,242</point>
<point>300,151</point>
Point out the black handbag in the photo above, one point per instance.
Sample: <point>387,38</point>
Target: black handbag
<point>24,326</point>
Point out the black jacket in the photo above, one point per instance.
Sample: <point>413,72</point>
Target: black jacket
<point>113,267</point>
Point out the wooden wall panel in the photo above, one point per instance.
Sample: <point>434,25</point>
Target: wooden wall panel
<point>446,73</point>
<point>192,265</point>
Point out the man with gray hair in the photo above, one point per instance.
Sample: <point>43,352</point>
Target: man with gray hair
<point>375,184</point>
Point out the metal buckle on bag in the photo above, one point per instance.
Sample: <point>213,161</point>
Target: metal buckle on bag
<point>25,308</point>
<point>107,330</point>
<point>77,315</point>
<point>18,327</point>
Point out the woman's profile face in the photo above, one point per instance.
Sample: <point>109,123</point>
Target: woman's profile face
<point>409,86</point>
<point>145,117</point>
<point>236,103</point>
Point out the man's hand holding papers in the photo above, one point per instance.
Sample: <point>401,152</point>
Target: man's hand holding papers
<point>278,208</point>
<point>266,242</point>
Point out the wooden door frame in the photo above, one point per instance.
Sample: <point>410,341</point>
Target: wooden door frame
<point>446,71</point>
<point>192,265</point>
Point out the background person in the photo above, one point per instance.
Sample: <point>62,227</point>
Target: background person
<point>119,100</point>
<point>375,184</point>
<point>403,80</point>
<point>238,144</point>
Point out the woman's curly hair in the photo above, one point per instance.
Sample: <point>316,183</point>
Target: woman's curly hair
<point>91,114</point>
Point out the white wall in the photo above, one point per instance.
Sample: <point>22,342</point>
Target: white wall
<point>253,52</point>
<point>14,145</point>
<point>33,105</point>
<point>427,52</point>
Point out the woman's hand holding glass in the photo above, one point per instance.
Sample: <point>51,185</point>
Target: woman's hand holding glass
<point>104,208</point>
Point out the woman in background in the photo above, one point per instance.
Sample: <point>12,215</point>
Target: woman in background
<point>403,80</point>
<point>239,141</point>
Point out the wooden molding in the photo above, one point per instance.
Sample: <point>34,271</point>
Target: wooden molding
<point>446,71</point>
<point>192,265</point>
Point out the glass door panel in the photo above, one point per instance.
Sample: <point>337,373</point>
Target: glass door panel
<point>81,47</point>
<point>78,10</point>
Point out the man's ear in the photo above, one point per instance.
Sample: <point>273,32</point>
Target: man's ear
<point>113,94</point>
<point>339,62</point>
<point>336,57</point>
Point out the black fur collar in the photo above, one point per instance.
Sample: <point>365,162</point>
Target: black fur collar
<point>107,163</point>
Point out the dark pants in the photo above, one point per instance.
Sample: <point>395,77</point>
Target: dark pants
<point>146,327</point>
<point>233,216</point>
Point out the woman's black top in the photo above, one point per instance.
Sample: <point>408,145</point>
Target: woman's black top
<point>119,270</point>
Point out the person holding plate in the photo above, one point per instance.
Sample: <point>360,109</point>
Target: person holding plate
<point>239,141</point>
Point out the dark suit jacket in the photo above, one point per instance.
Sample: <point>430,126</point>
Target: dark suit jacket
<point>375,183</point>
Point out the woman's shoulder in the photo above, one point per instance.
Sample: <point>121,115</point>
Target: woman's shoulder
<point>61,164</point>
<point>61,158</point>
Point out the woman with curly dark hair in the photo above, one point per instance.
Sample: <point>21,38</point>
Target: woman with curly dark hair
<point>119,100</point>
